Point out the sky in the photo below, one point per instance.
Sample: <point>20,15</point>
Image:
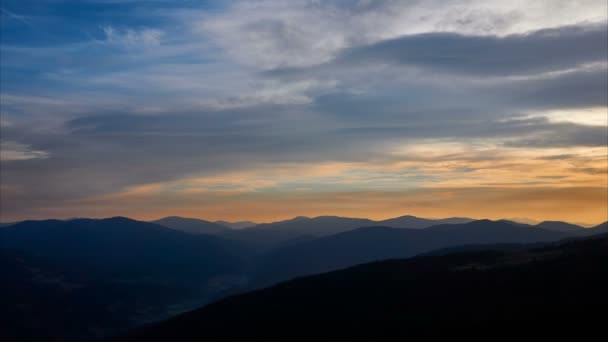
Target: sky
<point>266,110</point>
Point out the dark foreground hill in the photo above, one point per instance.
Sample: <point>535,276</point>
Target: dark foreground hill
<point>544,292</point>
<point>48,301</point>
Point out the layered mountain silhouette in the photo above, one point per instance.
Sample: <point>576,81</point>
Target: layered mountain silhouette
<point>378,243</point>
<point>414,222</point>
<point>271,235</point>
<point>563,227</point>
<point>278,232</point>
<point>79,279</point>
<point>543,292</point>
<point>191,225</point>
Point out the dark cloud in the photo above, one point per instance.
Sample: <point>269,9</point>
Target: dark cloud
<point>523,54</point>
<point>577,89</point>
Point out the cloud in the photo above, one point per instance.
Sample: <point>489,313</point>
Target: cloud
<point>271,34</point>
<point>133,38</point>
<point>522,54</point>
<point>176,104</point>
<point>11,151</point>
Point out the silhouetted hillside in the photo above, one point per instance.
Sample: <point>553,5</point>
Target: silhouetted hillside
<point>83,278</point>
<point>544,292</point>
<point>318,226</point>
<point>600,229</point>
<point>190,225</point>
<point>268,235</point>
<point>378,243</point>
<point>122,245</point>
<point>48,301</point>
<point>409,221</point>
<point>563,227</point>
<point>88,277</point>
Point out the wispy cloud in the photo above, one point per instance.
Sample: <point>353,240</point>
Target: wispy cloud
<point>13,151</point>
<point>133,38</point>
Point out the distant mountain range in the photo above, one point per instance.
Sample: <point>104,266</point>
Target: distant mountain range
<point>379,243</point>
<point>326,225</point>
<point>237,225</point>
<point>414,222</point>
<point>127,272</point>
<point>543,293</point>
<point>121,245</point>
<point>192,225</point>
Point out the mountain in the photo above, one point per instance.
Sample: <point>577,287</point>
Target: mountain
<point>515,223</point>
<point>523,220</point>
<point>49,301</point>
<point>6,224</point>
<point>379,243</point>
<point>191,225</point>
<point>563,227</point>
<point>600,229</point>
<point>546,292</point>
<point>409,221</point>
<point>237,225</point>
<point>110,274</point>
<point>269,235</point>
<point>122,245</point>
<point>317,226</point>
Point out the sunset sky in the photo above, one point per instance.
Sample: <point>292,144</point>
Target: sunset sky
<point>267,110</point>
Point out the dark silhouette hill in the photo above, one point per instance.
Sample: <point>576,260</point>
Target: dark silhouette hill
<point>379,243</point>
<point>268,235</point>
<point>409,221</point>
<point>600,228</point>
<point>543,293</point>
<point>49,301</point>
<point>81,278</point>
<point>515,223</point>
<point>317,226</point>
<point>563,227</point>
<point>125,272</point>
<point>122,245</point>
<point>191,225</point>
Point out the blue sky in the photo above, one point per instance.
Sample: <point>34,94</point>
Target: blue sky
<point>269,109</point>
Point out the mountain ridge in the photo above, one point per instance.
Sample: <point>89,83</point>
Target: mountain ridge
<point>463,294</point>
